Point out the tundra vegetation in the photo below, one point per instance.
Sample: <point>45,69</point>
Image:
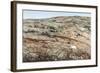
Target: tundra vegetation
<point>57,38</point>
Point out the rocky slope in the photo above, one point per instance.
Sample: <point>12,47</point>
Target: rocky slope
<point>56,38</point>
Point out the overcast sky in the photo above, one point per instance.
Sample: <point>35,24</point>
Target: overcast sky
<point>33,14</point>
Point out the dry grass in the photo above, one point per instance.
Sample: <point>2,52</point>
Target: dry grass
<point>52,51</point>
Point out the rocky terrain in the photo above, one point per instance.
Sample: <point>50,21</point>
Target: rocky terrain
<point>57,38</point>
